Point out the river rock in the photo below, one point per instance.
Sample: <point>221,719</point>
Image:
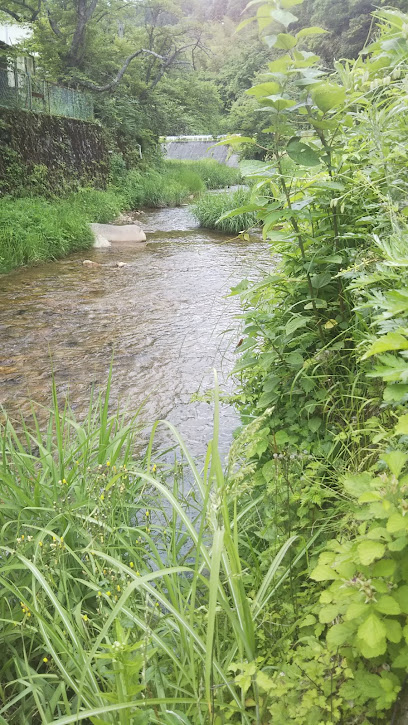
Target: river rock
<point>122,233</point>
<point>101,242</point>
<point>121,264</point>
<point>90,263</point>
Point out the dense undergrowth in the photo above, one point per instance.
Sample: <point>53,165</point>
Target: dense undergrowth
<point>34,229</point>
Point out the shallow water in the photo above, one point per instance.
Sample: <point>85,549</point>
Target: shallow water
<point>165,318</point>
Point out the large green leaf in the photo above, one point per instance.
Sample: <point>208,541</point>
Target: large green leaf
<point>368,551</point>
<point>284,17</point>
<point>390,341</point>
<point>301,153</point>
<point>373,632</point>
<point>264,89</point>
<point>328,95</point>
<point>285,41</point>
<point>306,32</point>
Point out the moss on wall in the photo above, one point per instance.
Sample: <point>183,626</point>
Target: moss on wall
<point>42,154</point>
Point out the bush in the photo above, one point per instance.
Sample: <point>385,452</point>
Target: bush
<point>210,207</point>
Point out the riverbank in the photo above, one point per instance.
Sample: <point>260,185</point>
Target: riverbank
<point>35,229</point>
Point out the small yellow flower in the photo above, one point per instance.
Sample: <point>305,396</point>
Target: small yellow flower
<point>64,480</point>
<point>102,497</point>
<point>108,463</point>
<point>137,573</point>
<point>85,617</point>
<point>154,468</point>
<point>61,539</point>
<point>147,514</point>
<point>22,537</point>
<point>118,588</point>
<point>40,543</point>
<point>99,594</point>
<point>45,659</point>
<point>108,594</point>
<point>131,564</point>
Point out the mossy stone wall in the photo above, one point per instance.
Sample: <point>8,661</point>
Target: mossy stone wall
<point>49,154</point>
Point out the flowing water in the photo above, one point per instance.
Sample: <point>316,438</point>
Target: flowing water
<point>164,317</point>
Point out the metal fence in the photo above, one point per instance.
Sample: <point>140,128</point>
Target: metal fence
<point>23,90</point>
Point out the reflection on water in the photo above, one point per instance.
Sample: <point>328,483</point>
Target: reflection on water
<point>164,316</point>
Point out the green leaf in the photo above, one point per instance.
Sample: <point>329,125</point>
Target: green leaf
<point>263,89</point>
<point>368,551</point>
<point>280,65</point>
<point>295,359</point>
<point>395,461</point>
<point>402,425</point>
<point>398,544</point>
<point>295,323</point>
<point>279,103</point>
<point>314,423</point>
<point>290,3</point>
<point>285,41</point>
<point>397,522</point>
<point>307,32</point>
<point>372,631</point>
<point>340,634</point>
<point>327,96</point>
<point>401,660</point>
<point>356,610</point>
<point>328,613</point>
<point>401,595</point>
<point>323,572</point>
<point>301,153</point>
<point>284,17</point>
<point>358,484</point>
<point>321,280</point>
<point>395,393</point>
<point>387,605</point>
<point>385,567</point>
<point>394,630</point>
<point>390,341</point>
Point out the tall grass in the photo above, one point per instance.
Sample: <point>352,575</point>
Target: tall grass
<point>213,174</point>
<point>210,207</point>
<point>124,595</point>
<point>33,230</point>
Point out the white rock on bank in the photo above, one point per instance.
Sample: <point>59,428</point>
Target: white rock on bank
<point>119,233</point>
<point>101,242</point>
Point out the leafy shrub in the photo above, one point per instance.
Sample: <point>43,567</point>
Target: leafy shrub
<point>210,207</point>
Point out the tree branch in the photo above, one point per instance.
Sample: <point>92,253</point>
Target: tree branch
<point>108,86</point>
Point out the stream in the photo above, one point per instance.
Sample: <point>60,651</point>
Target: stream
<point>164,317</point>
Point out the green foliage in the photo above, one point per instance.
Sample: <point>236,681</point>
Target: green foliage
<point>331,198</point>
<point>212,211</point>
<point>123,594</point>
<point>213,174</point>
<point>34,230</point>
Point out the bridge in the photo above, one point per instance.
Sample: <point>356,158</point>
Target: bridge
<point>195,148</point>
